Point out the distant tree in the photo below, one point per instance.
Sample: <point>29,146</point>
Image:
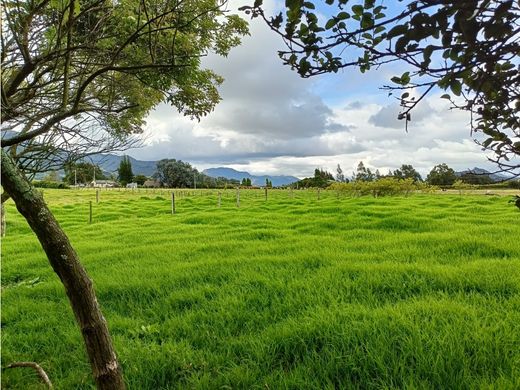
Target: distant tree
<point>175,173</point>
<point>363,173</point>
<point>476,178</point>
<point>320,179</point>
<point>140,179</point>
<point>52,176</point>
<point>441,175</point>
<point>339,174</point>
<point>125,174</point>
<point>407,172</point>
<point>322,174</point>
<point>82,173</point>
<point>246,182</point>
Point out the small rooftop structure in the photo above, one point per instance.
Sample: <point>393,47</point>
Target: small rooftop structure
<point>103,183</point>
<point>152,184</point>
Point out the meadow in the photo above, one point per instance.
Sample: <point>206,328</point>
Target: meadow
<point>418,292</point>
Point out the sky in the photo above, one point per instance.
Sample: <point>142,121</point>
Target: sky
<point>272,121</point>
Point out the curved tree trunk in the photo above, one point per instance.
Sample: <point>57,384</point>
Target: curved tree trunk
<point>65,262</point>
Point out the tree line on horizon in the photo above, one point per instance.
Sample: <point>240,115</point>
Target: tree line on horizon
<point>174,173</point>
<point>440,175</point>
<point>169,173</point>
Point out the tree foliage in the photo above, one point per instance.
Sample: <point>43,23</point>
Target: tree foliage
<point>125,174</point>
<point>363,173</point>
<point>469,48</point>
<point>340,176</point>
<point>140,179</point>
<point>95,68</point>
<point>321,179</point>
<point>476,178</point>
<point>83,173</point>
<point>174,173</point>
<point>386,186</point>
<point>441,175</point>
<point>407,172</point>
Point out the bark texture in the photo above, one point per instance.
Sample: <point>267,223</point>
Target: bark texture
<point>3,227</point>
<point>65,262</point>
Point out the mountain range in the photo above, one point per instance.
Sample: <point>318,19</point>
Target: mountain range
<point>109,163</point>
<point>256,180</point>
<point>496,177</point>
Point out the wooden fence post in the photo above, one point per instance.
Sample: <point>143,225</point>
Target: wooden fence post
<point>173,203</point>
<point>238,197</point>
<point>90,212</point>
<point>97,196</point>
<point>219,199</point>
<point>266,193</point>
<point>318,193</point>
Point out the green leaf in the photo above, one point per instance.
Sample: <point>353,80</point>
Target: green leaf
<point>405,78</point>
<point>397,30</point>
<point>400,45</point>
<point>358,9</point>
<point>331,23</point>
<point>456,87</point>
<point>369,4</point>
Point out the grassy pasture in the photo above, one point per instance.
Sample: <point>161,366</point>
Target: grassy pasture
<point>293,293</point>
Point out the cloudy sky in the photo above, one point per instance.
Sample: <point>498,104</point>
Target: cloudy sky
<point>271,121</point>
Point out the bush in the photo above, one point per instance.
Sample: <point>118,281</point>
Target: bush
<point>461,186</point>
<point>49,184</point>
<point>387,186</point>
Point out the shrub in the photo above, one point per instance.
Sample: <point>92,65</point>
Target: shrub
<point>387,186</point>
<point>49,184</point>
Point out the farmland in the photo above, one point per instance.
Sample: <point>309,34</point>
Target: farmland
<point>292,292</point>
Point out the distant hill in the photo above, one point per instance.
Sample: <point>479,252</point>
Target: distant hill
<point>480,171</point>
<point>109,163</point>
<point>256,180</point>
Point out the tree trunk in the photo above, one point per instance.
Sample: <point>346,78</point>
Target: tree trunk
<point>65,262</point>
<point>2,220</point>
<point>3,227</point>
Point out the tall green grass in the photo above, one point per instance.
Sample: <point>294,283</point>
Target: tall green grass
<point>292,293</point>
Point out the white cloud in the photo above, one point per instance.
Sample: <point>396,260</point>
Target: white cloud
<point>272,121</point>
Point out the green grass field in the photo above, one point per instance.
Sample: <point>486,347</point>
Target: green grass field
<point>293,293</point>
